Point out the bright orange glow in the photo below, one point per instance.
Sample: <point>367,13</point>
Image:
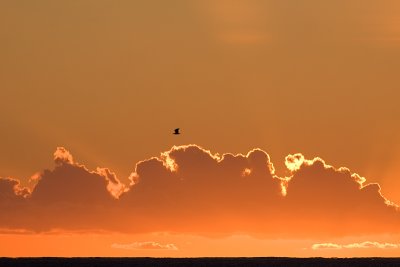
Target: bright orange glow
<point>117,245</point>
<point>168,162</point>
<point>294,162</point>
<point>246,172</point>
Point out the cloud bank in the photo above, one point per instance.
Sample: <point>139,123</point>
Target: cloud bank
<point>190,190</point>
<point>363,245</point>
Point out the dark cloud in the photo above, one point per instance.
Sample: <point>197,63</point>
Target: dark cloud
<point>200,191</point>
<point>337,202</point>
<point>189,189</point>
<point>67,197</point>
<point>11,190</point>
<point>12,204</point>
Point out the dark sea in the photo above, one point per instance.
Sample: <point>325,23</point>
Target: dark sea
<point>197,262</point>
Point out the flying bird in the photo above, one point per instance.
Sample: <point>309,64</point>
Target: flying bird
<point>176,131</point>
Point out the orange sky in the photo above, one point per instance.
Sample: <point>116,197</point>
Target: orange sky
<point>190,202</point>
<point>110,80</point>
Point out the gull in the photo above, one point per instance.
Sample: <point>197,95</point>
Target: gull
<point>176,131</point>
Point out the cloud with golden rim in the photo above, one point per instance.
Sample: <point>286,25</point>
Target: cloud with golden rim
<point>189,189</point>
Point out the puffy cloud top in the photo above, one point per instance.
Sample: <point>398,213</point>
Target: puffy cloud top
<point>61,156</point>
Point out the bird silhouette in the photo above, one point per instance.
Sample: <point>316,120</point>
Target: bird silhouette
<point>176,131</point>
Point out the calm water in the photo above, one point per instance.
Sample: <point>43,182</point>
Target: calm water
<point>197,262</point>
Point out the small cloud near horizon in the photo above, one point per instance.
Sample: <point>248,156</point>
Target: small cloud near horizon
<point>144,246</point>
<point>362,245</point>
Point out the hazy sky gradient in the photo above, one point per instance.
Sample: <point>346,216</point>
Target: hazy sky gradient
<point>109,80</point>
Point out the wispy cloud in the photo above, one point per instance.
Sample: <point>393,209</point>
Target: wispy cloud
<point>326,246</point>
<point>145,245</point>
<point>362,245</point>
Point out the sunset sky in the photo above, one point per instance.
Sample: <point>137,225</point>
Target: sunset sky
<point>289,112</point>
